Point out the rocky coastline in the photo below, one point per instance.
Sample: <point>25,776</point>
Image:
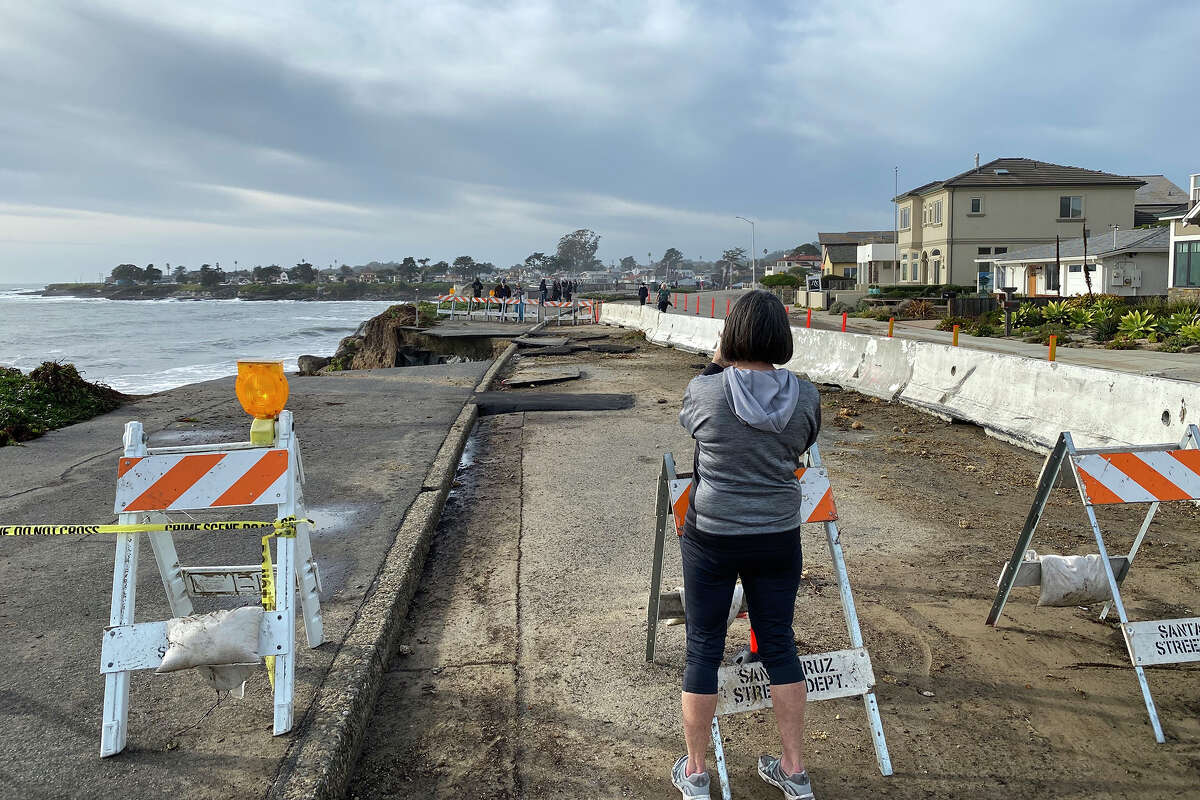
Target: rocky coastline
<point>304,292</point>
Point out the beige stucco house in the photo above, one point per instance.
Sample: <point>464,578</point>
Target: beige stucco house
<point>1184,272</point>
<point>945,227</point>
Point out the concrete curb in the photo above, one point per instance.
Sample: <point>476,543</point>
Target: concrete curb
<point>320,760</point>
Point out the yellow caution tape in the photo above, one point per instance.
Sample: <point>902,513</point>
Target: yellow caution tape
<point>280,527</point>
<point>268,593</point>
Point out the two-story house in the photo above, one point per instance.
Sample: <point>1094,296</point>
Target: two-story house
<point>1007,204</point>
<point>1183,275</point>
<point>839,251</point>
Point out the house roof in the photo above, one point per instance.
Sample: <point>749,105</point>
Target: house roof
<point>1011,172</point>
<point>1158,191</point>
<point>857,237</point>
<point>1101,245</point>
<point>842,253</point>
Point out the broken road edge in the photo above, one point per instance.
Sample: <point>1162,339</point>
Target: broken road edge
<point>320,759</point>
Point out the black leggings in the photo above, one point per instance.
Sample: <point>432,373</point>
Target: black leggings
<point>769,565</point>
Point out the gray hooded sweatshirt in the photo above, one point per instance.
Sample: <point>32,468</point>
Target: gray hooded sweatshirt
<point>751,428</point>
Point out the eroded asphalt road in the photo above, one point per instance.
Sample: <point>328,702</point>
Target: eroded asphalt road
<point>522,674</point>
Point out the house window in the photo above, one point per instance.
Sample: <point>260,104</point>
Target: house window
<point>906,218</point>
<point>1074,268</point>
<point>935,213</point>
<point>1053,283</point>
<point>976,205</point>
<point>1000,251</point>
<point>1187,264</point>
<point>1070,206</point>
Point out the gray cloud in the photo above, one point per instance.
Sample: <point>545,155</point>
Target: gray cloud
<point>147,132</point>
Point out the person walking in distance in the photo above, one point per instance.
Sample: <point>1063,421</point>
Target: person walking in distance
<point>752,423</point>
<point>556,291</point>
<point>542,292</point>
<point>477,287</point>
<point>643,294</point>
<point>664,297</point>
<point>568,287</point>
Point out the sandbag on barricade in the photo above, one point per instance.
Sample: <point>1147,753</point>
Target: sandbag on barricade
<point>1073,580</point>
<point>222,646</point>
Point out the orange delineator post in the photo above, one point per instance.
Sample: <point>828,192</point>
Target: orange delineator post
<point>843,322</point>
<point>727,307</point>
<point>713,311</point>
<point>891,326</point>
<point>697,305</point>
<point>808,322</point>
<point>1053,344</point>
<point>956,336</point>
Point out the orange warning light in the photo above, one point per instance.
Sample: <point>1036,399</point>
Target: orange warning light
<point>262,388</point>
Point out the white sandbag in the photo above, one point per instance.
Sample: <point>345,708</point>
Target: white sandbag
<point>218,638</point>
<point>736,605</point>
<point>1073,581</point>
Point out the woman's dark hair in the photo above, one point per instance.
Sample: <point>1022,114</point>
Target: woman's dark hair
<point>757,330</point>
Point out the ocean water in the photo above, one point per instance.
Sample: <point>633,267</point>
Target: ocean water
<point>144,346</point>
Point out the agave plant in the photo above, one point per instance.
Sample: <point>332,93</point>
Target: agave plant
<point>1138,325</point>
<point>1081,317</point>
<point>1190,332</point>
<point>1056,311</point>
<point>1176,321</point>
<point>1028,316</point>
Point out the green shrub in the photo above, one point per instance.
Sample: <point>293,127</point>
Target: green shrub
<point>1042,334</point>
<point>982,329</point>
<point>840,308</point>
<point>783,279</point>
<point>919,309</point>
<point>1104,328</point>
<point>948,323</point>
<point>1137,325</point>
<point>1121,343</point>
<point>1173,344</point>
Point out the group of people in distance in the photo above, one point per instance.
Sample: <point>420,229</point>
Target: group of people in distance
<point>663,299</point>
<point>556,290</point>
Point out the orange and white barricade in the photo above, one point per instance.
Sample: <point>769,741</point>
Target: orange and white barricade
<point>447,304</point>
<point>1152,474</point>
<point>152,482</point>
<point>745,687</point>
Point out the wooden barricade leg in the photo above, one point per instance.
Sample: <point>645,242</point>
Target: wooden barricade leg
<point>285,605</point>
<point>662,510</point>
<point>308,578</point>
<point>1050,470</point>
<point>163,546</point>
<point>115,722</point>
<point>719,752</point>
<point>1115,588</point>
<point>833,538</point>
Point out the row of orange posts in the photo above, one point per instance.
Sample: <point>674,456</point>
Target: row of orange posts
<point>808,321</point>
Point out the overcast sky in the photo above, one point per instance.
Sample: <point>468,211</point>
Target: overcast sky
<point>282,130</point>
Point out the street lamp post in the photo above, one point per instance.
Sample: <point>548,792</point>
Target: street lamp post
<point>753,250</point>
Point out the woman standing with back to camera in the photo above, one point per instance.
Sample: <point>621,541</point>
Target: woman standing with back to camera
<point>752,424</point>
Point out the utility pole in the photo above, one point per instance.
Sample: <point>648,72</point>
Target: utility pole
<point>753,253</point>
<point>895,226</point>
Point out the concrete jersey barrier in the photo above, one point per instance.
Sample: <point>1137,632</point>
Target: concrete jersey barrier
<point>1020,400</point>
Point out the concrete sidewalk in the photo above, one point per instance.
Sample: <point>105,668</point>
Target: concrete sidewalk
<point>368,440</point>
<point>1176,366</point>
